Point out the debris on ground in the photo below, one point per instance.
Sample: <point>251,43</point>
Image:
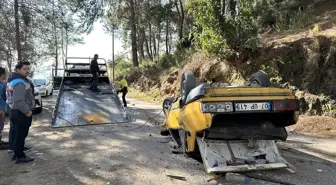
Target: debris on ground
<point>177,177</point>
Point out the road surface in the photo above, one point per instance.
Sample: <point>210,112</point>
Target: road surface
<point>135,153</point>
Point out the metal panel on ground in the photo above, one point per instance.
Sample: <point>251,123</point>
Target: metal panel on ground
<point>238,156</point>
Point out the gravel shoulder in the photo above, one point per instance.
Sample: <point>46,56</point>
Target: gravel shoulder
<point>135,153</point>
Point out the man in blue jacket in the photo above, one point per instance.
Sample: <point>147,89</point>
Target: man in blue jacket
<point>3,105</point>
<point>21,102</point>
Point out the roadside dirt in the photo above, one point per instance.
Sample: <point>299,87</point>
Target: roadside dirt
<point>316,125</point>
<point>135,153</point>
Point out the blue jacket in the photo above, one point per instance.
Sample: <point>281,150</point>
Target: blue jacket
<point>3,104</point>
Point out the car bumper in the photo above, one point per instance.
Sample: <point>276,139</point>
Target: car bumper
<point>37,103</point>
<point>43,92</point>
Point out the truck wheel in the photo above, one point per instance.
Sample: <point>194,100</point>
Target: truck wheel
<point>166,104</point>
<point>188,82</point>
<point>260,78</point>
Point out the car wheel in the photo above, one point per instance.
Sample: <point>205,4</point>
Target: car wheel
<point>52,90</point>
<point>47,94</point>
<point>188,82</point>
<point>39,109</point>
<point>260,78</point>
<point>166,104</point>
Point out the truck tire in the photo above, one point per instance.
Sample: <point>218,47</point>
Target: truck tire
<point>188,82</point>
<point>260,78</point>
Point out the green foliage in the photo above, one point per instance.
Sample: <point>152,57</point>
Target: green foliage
<point>224,34</point>
<point>122,67</point>
<point>282,15</point>
<point>154,67</point>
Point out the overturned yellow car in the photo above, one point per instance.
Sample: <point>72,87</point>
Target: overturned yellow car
<point>233,128</point>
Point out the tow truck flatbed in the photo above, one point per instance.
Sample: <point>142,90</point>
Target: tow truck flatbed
<point>78,106</point>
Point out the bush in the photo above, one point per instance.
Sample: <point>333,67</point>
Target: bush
<point>224,35</point>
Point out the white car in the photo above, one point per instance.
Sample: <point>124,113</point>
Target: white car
<point>38,98</point>
<point>44,86</point>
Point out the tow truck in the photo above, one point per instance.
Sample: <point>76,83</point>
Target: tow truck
<point>232,128</point>
<point>76,105</point>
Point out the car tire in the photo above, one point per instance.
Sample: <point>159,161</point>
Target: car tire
<point>260,79</point>
<point>39,109</point>
<point>188,82</point>
<point>52,90</point>
<point>167,103</point>
<point>47,93</point>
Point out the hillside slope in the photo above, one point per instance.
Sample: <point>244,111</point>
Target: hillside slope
<point>304,61</point>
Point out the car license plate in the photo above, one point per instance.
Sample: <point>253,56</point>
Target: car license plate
<point>260,106</point>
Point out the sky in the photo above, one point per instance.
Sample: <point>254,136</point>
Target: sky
<point>97,42</point>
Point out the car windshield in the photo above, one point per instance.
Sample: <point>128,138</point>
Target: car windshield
<point>40,82</point>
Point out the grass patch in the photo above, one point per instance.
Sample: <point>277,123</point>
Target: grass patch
<point>153,96</point>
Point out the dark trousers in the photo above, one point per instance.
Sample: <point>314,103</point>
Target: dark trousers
<point>124,92</point>
<point>124,98</point>
<point>11,136</point>
<point>21,124</point>
<point>94,85</point>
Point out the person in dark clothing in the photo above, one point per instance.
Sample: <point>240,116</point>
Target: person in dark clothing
<point>21,101</point>
<point>94,69</point>
<point>123,90</point>
<point>3,105</point>
<point>11,135</point>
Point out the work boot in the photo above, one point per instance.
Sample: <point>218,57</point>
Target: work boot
<point>25,159</point>
<point>14,157</point>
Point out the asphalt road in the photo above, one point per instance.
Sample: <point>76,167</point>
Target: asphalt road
<point>135,153</point>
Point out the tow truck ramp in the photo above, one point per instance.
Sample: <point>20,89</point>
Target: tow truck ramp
<point>77,105</point>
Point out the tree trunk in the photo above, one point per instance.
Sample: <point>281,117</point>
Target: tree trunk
<point>66,43</point>
<point>180,12</point>
<point>62,44</point>
<point>150,40</point>
<point>171,38</point>
<point>223,7</point>
<point>147,49</point>
<point>232,6</point>
<point>133,34</point>
<point>158,40</point>
<point>182,20</point>
<point>141,43</point>
<point>8,58</point>
<point>167,35</point>
<point>17,29</point>
<point>154,46</point>
<point>55,37</point>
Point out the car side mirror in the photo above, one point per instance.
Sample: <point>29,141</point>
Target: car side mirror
<point>36,94</point>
